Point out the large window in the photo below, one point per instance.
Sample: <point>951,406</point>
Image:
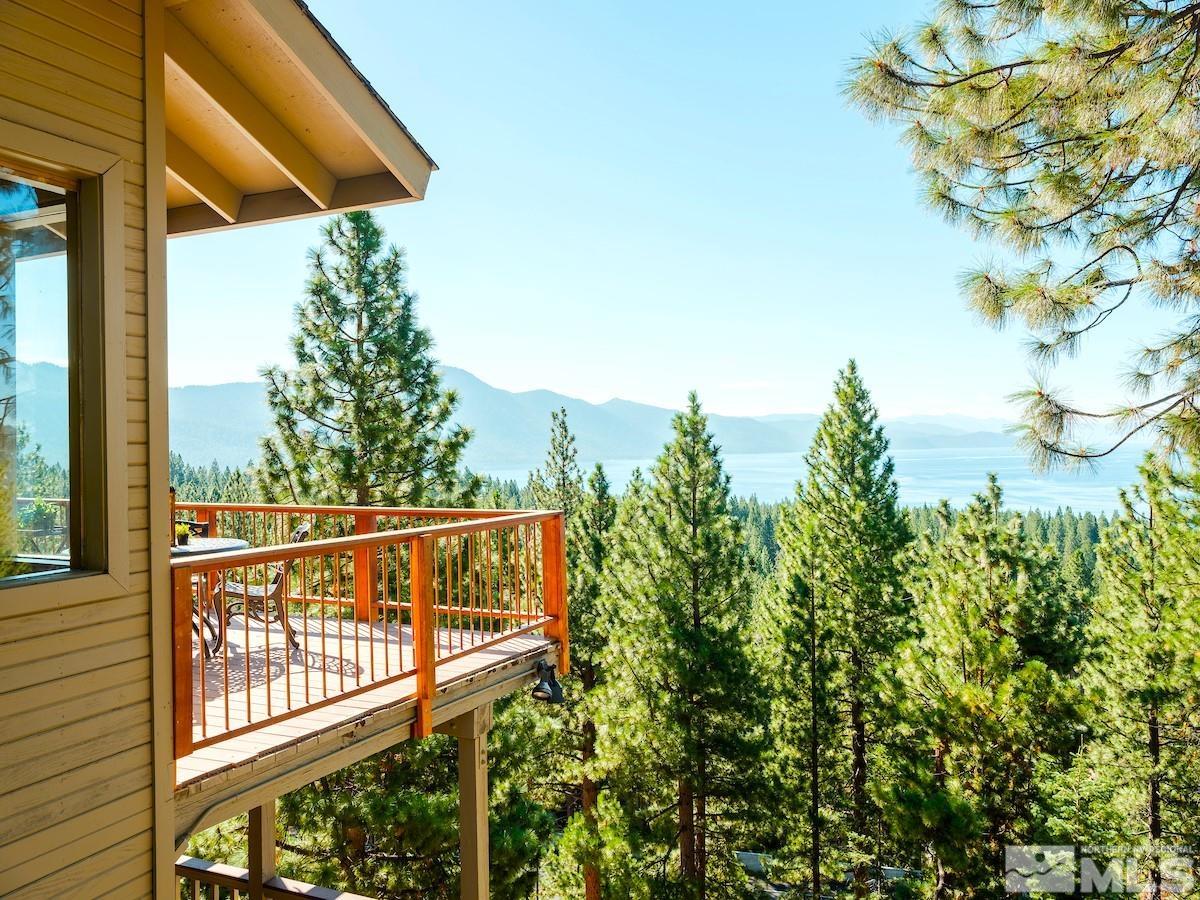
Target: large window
<point>49,368</point>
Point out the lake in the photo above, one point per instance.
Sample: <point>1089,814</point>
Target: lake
<point>927,476</point>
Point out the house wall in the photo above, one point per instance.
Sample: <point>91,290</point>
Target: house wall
<point>77,787</point>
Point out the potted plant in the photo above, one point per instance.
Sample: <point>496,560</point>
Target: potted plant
<point>182,533</point>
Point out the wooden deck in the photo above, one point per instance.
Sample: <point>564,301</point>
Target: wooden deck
<point>265,678</point>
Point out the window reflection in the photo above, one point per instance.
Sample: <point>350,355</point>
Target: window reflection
<point>37,256</point>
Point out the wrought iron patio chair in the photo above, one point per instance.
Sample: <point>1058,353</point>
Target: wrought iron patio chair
<point>262,602</point>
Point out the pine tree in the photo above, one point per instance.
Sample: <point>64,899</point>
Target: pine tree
<point>1143,672</point>
<point>983,698</point>
<point>567,731</point>
<point>591,535</point>
<point>1064,132</point>
<point>558,484</point>
<point>844,612</point>
<point>362,420</point>
<point>799,651</point>
<point>683,713</point>
<point>580,850</point>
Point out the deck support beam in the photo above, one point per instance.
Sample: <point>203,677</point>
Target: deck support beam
<point>262,847</point>
<point>471,730</point>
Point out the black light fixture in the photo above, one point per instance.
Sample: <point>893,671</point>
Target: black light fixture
<point>548,690</point>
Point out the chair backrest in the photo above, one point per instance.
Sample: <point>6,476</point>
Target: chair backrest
<point>302,533</point>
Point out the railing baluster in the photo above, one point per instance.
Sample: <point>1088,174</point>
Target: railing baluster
<point>471,542</point>
<point>224,619</point>
<point>340,596</point>
<point>491,597</point>
<point>266,623</point>
<point>516,576</point>
<point>387,660</point>
<point>201,592</point>
<point>304,619</point>
<point>324,651</point>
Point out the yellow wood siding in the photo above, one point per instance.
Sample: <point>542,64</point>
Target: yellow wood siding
<point>76,779</point>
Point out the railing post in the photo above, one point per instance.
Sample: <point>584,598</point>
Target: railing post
<point>421,565</point>
<point>181,624</point>
<point>365,569</point>
<point>554,586</point>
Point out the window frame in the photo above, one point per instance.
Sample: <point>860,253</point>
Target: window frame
<point>96,376</point>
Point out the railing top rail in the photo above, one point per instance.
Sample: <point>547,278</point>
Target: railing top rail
<point>286,552</point>
<point>306,509</point>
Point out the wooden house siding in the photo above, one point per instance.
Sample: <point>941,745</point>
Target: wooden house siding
<point>76,716</point>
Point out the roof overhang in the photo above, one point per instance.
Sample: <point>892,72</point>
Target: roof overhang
<point>267,119</point>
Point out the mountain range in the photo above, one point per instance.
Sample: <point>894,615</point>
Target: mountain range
<point>223,422</point>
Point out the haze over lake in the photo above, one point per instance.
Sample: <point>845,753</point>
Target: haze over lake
<point>927,477</point>
<point>937,457</point>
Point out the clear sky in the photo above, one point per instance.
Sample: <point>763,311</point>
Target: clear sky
<point>636,200</point>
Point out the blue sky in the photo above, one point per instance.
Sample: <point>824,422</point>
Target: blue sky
<point>636,200</point>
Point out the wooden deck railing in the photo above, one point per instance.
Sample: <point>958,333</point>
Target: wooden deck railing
<point>377,596</point>
<point>43,526</point>
<point>203,880</point>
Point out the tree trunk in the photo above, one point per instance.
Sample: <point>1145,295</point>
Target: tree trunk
<point>858,790</point>
<point>814,747</point>
<point>702,828</point>
<point>941,889</point>
<point>1155,805</point>
<point>589,794</point>
<point>687,832</point>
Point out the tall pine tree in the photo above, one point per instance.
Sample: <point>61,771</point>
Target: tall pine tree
<point>578,867</point>
<point>559,777</point>
<point>1146,751</point>
<point>558,483</point>
<point>683,711</point>
<point>842,614</point>
<point>362,419</point>
<point>984,699</point>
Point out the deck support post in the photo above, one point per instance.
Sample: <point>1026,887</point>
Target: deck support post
<point>262,847</point>
<point>554,587</point>
<point>471,730</point>
<point>421,564</point>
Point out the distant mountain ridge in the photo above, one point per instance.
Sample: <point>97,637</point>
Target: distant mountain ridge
<point>223,422</point>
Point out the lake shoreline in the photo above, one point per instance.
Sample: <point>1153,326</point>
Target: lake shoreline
<point>925,477</point>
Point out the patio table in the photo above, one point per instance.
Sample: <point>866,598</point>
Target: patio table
<point>199,546</point>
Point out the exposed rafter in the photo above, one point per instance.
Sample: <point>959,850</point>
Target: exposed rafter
<point>246,111</point>
<point>331,73</point>
<point>194,173</point>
